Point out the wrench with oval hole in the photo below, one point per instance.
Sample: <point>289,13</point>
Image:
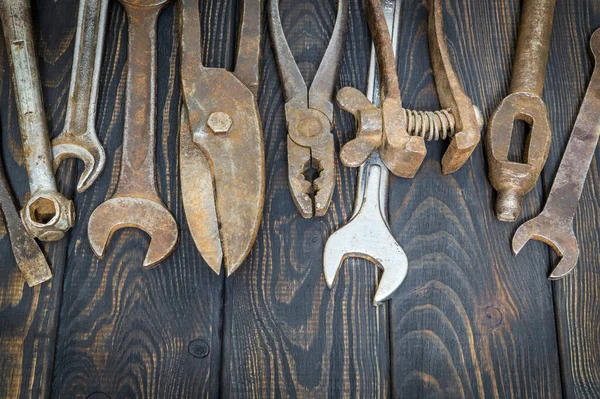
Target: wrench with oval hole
<point>367,235</point>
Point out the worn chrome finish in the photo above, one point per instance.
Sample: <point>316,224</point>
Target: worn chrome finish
<point>28,255</point>
<point>367,235</point>
<point>512,180</point>
<point>78,138</point>
<point>47,215</point>
<point>136,202</point>
<point>222,160</point>
<point>309,115</point>
<point>554,225</point>
<point>399,133</point>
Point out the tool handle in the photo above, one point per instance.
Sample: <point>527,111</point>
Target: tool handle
<point>533,45</point>
<point>18,30</point>
<point>247,67</point>
<point>570,178</point>
<point>138,176</point>
<point>87,61</point>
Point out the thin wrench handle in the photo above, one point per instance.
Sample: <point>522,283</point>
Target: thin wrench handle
<point>138,174</point>
<point>570,178</point>
<point>87,61</point>
<point>533,45</point>
<point>18,30</point>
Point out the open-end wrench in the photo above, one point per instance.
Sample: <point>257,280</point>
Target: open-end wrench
<point>554,225</point>
<point>78,138</point>
<point>28,255</point>
<point>367,235</point>
<point>512,180</point>
<point>47,215</point>
<point>136,202</point>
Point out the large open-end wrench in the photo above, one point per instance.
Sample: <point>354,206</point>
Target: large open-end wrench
<point>136,202</point>
<point>554,225</point>
<point>512,180</point>
<point>28,255</point>
<point>367,235</point>
<point>78,138</point>
<point>47,215</point>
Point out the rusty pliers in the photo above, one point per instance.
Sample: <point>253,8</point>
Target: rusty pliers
<point>309,115</point>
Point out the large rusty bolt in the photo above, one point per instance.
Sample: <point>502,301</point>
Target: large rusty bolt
<point>219,122</point>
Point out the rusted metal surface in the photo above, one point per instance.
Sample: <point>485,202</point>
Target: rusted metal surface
<point>512,180</point>
<point>309,115</point>
<point>47,215</point>
<point>554,225</point>
<point>399,133</point>
<point>28,255</point>
<point>136,202</point>
<point>222,160</point>
<point>78,138</point>
<point>367,235</point>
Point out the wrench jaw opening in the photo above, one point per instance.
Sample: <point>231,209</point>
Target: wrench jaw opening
<point>559,236</point>
<point>90,153</point>
<point>141,213</point>
<point>513,180</point>
<point>48,216</point>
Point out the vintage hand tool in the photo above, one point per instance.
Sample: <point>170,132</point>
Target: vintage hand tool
<point>399,133</point>
<point>222,160</point>
<point>136,202</point>
<point>554,225</point>
<point>28,255</point>
<point>367,235</point>
<point>309,115</point>
<point>78,138</point>
<point>47,215</point>
<point>512,180</point>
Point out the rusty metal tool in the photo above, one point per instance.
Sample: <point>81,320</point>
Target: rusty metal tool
<point>47,215</point>
<point>367,235</point>
<point>222,160</point>
<point>78,138</point>
<point>136,202</point>
<point>554,225</point>
<point>309,115</point>
<point>399,133</point>
<point>512,180</point>
<point>28,255</point>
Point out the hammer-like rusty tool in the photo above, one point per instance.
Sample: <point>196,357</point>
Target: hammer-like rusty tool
<point>554,225</point>
<point>136,202</point>
<point>512,180</point>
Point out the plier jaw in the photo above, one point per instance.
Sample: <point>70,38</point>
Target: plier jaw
<point>310,149</point>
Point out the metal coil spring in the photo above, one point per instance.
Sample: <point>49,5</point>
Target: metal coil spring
<point>430,125</point>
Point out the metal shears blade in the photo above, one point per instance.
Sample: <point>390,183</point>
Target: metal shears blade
<point>309,115</point>
<point>222,162</point>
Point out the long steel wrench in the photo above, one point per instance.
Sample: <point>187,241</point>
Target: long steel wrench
<point>27,253</point>
<point>512,180</point>
<point>47,215</point>
<point>554,225</point>
<point>367,235</point>
<point>78,138</point>
<point>136,202</point>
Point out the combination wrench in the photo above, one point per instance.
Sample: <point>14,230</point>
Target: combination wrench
<point>78,138</point>
<point>47,215</point>
<point>136,202</point>
<point>554,225</point>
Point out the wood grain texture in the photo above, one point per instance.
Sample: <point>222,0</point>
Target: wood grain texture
<point>577,297</point>
<point>470,321</point>
<point>285,333</point>
<point>29,316</point>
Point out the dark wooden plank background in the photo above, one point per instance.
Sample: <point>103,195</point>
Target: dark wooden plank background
<point>470,320</point>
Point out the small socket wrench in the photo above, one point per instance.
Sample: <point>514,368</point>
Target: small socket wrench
<point>78,138</point>
<point>512,180</point>
<point>47,215</point>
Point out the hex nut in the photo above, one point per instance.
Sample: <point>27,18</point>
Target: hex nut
<point>219,122</point>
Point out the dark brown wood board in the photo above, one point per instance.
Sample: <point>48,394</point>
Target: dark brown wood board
<point>470,320</point>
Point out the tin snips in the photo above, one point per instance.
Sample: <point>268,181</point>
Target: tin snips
<point>222,163</point>
<point>309,115</point>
